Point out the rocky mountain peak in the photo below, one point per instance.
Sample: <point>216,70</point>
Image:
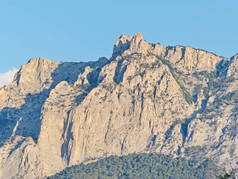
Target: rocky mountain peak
<point>186,59</point>
<point>130,44</point>
<point>39,60</point>
<point>35,75</point>
<point>173,100</point>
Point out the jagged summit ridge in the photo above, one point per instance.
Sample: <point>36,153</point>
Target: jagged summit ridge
<point>134,44</point>
<point>147,98</point>
<point>180,56</point>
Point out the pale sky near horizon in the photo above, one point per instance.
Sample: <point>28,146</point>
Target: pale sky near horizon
<point>77,30</point>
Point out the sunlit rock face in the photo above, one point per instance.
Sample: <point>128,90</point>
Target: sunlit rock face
<point>146,98</point>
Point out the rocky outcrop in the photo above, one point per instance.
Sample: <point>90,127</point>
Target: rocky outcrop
<point>147,98</point>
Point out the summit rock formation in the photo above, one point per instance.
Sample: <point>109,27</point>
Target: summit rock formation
<point>173,100</point>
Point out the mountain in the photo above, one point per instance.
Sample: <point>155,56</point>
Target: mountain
<point>146,98</point>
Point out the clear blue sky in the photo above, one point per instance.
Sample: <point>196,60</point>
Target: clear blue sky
<point>82,30</point>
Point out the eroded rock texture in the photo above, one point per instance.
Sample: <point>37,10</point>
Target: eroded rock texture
<point>147,98</point>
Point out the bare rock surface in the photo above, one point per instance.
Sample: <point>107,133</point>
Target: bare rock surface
<point>147,98</point>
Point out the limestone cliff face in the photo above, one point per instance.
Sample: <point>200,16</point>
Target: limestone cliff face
<point>147,98</point>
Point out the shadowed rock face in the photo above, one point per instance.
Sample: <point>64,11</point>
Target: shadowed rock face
<point>147,98</point>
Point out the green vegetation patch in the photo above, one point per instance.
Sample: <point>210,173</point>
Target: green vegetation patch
<point>133,166</point>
